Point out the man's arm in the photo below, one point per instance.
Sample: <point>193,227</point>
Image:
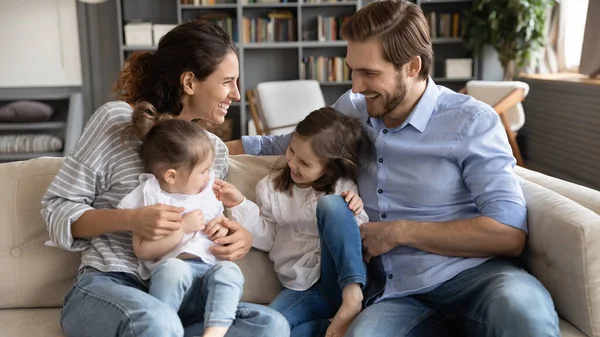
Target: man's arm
<point>477,237</point>
<point>260,145</point>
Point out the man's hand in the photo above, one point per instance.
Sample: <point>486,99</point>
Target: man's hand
<point>235,245</point>
<point>228,194</point>
<point>379,237</point>
<point>215,229</point>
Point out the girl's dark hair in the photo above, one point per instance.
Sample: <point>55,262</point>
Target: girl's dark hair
<point>193,46</point>
<point>339,140</point>
<point>167,142</point>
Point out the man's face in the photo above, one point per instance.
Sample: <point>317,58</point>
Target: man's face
<point>383,86</point>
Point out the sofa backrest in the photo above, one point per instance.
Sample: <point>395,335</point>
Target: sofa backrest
<point>33,275</point>
<point>582,195</point>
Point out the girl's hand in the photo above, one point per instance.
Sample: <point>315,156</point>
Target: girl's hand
<point>355,203</point>
<point>193,221</point>
<point>215,230</point>
<point>235,245</point>
<point>228,194</point>
<point>156,221</point>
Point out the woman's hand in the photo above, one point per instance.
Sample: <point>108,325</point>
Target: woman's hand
<point>156,221</point>
<point>355,203</point>
<point>235,245</point>
<point>228,194</point>
<point>215,230</point>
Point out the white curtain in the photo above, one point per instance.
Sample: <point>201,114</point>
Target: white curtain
<point>551,59</point>
<point>590,53</point>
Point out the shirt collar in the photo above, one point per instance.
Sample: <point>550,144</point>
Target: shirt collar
<point>420,115</point>
<point>422,112</point>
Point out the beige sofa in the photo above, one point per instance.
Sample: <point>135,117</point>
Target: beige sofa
<point>563,249</point>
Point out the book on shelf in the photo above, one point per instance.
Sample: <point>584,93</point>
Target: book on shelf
<point>444,24</point>
<point>250,2</point>
<point>325,69</point>
<point>279,26</point>
<point>222,19</point>
<point>207,2</point>
<point>328,27</point>
<point>326,1</point>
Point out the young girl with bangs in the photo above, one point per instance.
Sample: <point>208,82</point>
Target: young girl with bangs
<point>318,261</point>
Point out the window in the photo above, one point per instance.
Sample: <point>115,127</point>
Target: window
<point>575,12</point>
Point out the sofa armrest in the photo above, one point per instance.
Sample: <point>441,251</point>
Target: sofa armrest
<point>563,252</point>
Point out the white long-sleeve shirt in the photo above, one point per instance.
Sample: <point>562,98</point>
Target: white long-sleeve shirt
<point>285,225</point>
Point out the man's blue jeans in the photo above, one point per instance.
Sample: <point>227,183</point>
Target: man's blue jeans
<point>118,304</point>
<point>495,299</point>
<point>308,312</point>
<point>224,283</point>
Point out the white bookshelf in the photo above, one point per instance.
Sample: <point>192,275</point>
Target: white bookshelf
<point>271,61</point>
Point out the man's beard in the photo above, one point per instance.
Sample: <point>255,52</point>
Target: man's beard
<point>393,102</point>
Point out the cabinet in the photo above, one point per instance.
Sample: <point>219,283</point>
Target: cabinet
<point>40,44</point>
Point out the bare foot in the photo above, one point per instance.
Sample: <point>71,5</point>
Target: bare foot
<point>352,298</point>
<point>215,331</point>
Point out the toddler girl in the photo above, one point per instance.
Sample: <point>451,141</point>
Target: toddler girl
<point>179,156</point>
<point>318,260</point>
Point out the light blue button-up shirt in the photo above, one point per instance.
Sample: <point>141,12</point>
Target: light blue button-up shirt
<point>449,160</point>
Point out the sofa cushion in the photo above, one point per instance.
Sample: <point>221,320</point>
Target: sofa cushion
<point>33,275</point>
<point>30,322</point>
<point>562,252</point>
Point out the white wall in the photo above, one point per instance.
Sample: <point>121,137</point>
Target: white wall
<point>40,44</point>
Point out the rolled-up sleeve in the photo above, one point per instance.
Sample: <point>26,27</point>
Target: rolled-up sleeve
<point>271,145</point>
<point>488,170</point>
<point>70,194</point>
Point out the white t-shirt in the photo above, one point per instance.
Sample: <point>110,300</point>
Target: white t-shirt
<point>285,225</point>
<point>149,193</point>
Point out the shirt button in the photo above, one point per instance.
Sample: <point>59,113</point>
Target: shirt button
<point>384,215</point>
<point>384,130</point>
<point>380,160</point>
<point>379,191</point>
<point>390,276</point>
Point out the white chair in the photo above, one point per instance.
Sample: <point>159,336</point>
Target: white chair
<point>505,97</point>
<point>277,106</point>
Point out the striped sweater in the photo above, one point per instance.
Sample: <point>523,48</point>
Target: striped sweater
<point>97,174</point>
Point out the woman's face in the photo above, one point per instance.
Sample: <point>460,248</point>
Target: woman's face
<point>210,99</point>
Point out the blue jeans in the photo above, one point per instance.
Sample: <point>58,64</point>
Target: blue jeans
<point>224,282</point>
<point>118,304</point>
<point>308,311</point>
<point>495,299</point>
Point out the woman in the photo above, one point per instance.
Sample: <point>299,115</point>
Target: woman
<point>192,75</point>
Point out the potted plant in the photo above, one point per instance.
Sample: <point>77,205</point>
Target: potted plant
<point>514,28</point>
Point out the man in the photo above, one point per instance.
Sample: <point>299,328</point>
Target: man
<point>446,208</point>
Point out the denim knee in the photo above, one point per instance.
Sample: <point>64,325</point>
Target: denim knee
<point>511,307</point>
<point>162,319</point>
<point>228,272</point>
<point>329,207</point>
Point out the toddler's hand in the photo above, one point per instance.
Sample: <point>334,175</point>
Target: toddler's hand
<point>228,194</point>
<point>193,221</point>
<point>355,203</point>
<point>215,230</point>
